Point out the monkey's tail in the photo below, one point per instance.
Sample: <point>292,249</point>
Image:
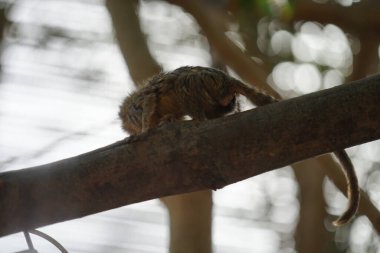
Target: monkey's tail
<point>353,190</point>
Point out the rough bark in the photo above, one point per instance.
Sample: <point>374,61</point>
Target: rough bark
<point>189,156</point>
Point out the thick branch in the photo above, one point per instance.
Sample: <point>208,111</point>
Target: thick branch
<point>190,156</point>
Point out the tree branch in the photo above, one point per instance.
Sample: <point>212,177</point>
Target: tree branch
<point>189,156</point>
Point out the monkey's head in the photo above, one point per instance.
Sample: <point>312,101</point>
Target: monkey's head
<point>217,93</point>
<point>221,96</point>
<point>222,109</point>
<point>204,91</point>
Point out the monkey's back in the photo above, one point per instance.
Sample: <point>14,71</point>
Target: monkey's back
<point>195,91</point>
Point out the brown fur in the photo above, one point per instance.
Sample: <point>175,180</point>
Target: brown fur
<point>199,92</point>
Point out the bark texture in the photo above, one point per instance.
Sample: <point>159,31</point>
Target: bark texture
<point>189,156</point>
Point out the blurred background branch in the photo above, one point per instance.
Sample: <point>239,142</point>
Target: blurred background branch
<point>133,44</point>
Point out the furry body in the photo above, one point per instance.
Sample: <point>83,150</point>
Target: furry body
<point>199,92</point>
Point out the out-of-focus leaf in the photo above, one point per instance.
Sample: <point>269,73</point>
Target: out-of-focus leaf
<point>271,8</point>
<point>287,10</point>
<point>264,7</point>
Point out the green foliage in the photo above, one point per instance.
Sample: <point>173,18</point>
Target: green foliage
<point>269,8</point>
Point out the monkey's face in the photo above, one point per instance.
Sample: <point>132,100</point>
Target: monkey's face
<point>222,109</point>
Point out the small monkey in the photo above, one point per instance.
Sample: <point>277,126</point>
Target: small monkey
<point>199,92</point>
<point>205,93</point>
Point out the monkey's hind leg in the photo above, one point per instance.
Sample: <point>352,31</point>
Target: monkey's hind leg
<point>149,118</point>
<point>353,190</point>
